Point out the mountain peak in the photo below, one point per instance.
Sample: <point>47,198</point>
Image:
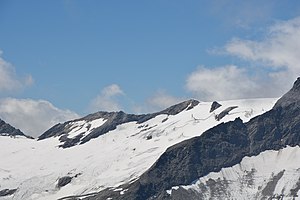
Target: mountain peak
<point>296,85</point>
<point>215,105</point>
<point>177,108</point>
<point>8,130</point>
<point>291,97</point>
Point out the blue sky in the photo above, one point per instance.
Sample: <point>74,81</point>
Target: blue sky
<point>140,56</point>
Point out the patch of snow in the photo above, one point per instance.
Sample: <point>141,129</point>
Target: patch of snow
<point>248,179</point>
<point>84,127</point>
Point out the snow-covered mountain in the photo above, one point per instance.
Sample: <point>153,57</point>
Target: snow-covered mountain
<point>102,151</point>
<point>258,159</point>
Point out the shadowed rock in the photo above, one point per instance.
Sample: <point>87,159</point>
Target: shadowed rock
<point>295,190</point>
<point>7,192</point>
<point>271,185</point>
<point>224,113</point>
<point>63,181</point>
<point>291,97</point>
<point>215,105</point>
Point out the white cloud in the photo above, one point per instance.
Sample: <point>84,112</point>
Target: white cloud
<point>158,101</point>
<point>33,117</point>
<point>278,52</point>
<point>161,100</point>
<point>9,81</point>
<point>107,99</point>
<point>279,48</point>
<point>277,62</point>
<point>226,82</point>
<point>112,90</point>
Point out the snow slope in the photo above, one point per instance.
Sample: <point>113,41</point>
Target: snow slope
<point>119,156</point>
<point>84,127</point>
<point>271,174</point>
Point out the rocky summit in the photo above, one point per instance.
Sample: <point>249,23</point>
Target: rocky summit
<point>8,130</point>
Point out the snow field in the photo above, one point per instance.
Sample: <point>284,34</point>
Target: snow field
<point>117,157</point>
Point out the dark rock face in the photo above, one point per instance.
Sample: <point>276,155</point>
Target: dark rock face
<point>215,105</point>
<point>295,190</point>
<point>194,158</point>
<point>7,192</point>
<point>8,130</point>
<point>174,110</point>
<point>271,185</point>
<point>63,181</point>
<point>113,119</point>
<point>69,142</point>
<point>222,146</point>
<point>224,113</point>
<point>292,97</point>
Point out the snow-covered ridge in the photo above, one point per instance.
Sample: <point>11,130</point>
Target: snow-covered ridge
<point>111,121</point>
<point>271,174</point>
<point>119,156</point>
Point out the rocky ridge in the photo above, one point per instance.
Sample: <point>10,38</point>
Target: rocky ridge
<point>8,130</point>
<point>112,120</point>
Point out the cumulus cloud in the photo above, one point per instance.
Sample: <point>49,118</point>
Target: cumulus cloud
<point>156,102</point>
<point>276,59</point>
<point>279,48</point>
<point>226,82</point>
<point>9,81</point>
<point>33,117</point>
<point>161,100</point>
<point>277,52</point>
<point>107,100</point>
